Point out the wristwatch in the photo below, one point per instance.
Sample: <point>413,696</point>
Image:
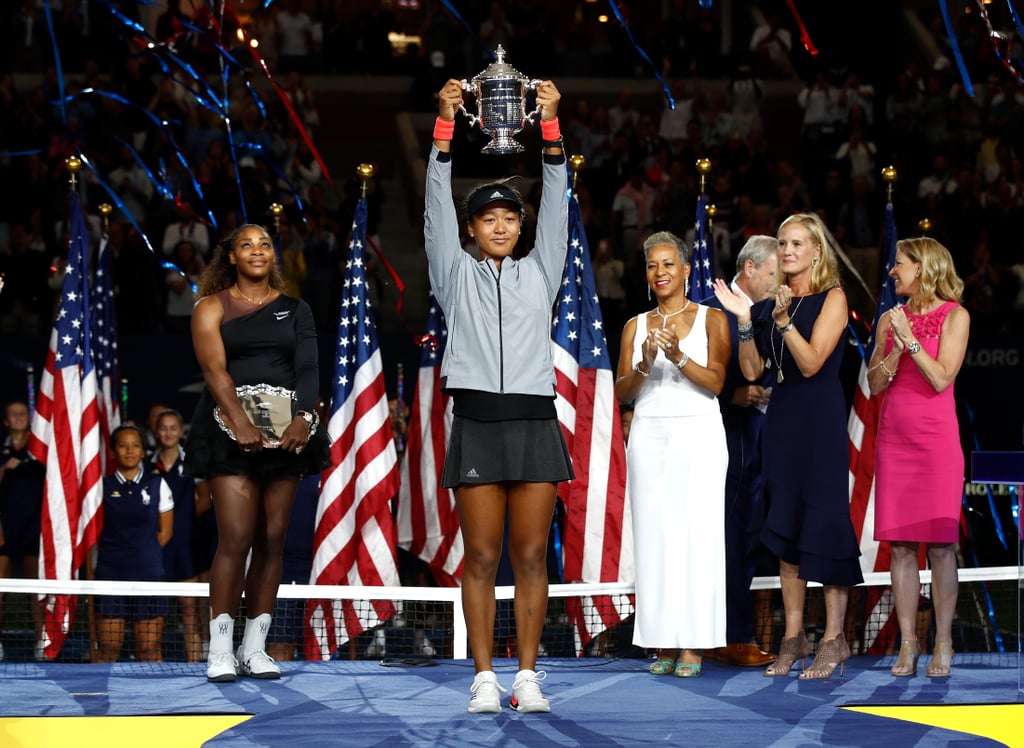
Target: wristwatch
<point>310,418</point>
<point>913,347</point>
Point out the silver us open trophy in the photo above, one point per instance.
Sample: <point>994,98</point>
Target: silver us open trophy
<point>500,92</point>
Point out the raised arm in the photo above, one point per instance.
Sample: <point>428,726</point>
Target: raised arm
<point>440,220</point>
<point>553,216</point>
<point>810,355</point>
<point>751,362</point>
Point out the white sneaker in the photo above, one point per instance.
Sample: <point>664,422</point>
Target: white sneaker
<point>221,667</point>
<point>3,655</point>
<point>39,652</point>
<point>526,695</point>
<point>258,664</point>
<point>486,698</point>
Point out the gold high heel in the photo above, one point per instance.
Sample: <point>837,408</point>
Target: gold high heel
<point>792,649</point>
<point>831,652</point>
<point>906,664</point>
<point>942,660</point>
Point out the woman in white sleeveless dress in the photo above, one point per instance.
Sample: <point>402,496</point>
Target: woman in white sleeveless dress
<point>672,363</point>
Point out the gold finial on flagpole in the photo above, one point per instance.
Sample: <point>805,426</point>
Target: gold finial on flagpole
<point>925,224</point>
<point>703,168</point>
<point>365,173</point>
<point>889,177</point>
<point>712,211</point>
<point>105,210</point>
<point>576,162</point>
<point>74,164</point>
<point>277,210</point>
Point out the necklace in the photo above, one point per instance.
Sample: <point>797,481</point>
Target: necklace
<point>782,343</point>
<point>664,317</point>
<point>251,300</point>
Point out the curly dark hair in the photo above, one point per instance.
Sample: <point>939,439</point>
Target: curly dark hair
<point>221,273</point>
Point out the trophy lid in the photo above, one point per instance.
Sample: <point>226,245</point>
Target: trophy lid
<point>498,70</point>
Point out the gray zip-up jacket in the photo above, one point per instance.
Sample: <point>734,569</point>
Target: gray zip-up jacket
<point>499,322</point>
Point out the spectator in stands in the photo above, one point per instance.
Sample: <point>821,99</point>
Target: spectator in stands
<point>21,507</point>
<point>806,457</point>
<point>187,228</point>
<point>132,185</point>
<point>167,462</point>
<point>672,363</point>
<point>491,424</point>
<point>138,521</point>
<point>180,294</point>
<point>295,37</point>
<point>771,44</point>
<point>919,473</point>
<point>496,29</point>
<point>623,115</point>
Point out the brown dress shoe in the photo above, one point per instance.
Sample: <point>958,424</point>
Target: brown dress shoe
<point>745,655</point>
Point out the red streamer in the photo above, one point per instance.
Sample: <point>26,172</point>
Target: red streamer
<point>805,38</point>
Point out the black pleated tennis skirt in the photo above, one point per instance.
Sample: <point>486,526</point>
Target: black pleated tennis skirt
<point>530,450</point>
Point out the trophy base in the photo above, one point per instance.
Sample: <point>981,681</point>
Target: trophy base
<point>502,143</point>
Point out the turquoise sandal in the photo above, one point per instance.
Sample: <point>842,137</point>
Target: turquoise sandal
<point>687,669</point>
<point>662,667</point>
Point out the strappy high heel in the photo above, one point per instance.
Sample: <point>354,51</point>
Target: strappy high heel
<point>792,649</point>
<point>942,660</point>
<point>906,664</point>
<point>831,653</point>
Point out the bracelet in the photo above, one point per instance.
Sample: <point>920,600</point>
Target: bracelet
<point>550,130</point>
<point>682,362</point>
<point>746,332</point>
<point>640,371</point>
<point>553,143</point>
<point>787,328</point>
<point>913,347</point>
<point>889,373</point>
<point>444,129</point>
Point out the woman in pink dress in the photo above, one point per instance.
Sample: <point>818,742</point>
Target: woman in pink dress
<point>919,469</point>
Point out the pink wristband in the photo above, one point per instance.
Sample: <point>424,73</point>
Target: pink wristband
<point>444,129</point>
<point>549,129</point>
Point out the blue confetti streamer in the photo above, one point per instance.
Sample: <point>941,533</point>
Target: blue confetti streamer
<point>59,67</point>
<point>956,49</point>
<point>1016,19</point>
<point>469,29</point>
<point>642,53</point>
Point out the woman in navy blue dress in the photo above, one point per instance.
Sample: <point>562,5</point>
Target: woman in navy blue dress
<point>138,521</point>
<point>798,334</point>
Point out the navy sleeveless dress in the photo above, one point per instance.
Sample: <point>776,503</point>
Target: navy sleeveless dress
<point>806,456</point>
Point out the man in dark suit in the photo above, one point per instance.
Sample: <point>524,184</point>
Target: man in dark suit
<point>743,404</point>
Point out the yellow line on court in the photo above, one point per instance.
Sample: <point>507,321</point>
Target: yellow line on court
<point>1000,722</point>
<point>165,731</point>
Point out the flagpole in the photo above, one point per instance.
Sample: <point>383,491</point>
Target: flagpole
<point>74,165</point>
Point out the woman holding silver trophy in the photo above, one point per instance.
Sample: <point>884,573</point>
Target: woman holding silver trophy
<point>254,432</point>
<point>506,453</point>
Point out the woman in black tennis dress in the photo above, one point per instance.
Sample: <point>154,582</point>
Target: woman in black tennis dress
<point>251,338</point>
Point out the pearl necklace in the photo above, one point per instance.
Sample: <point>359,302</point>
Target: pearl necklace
<point>779,378</point>
<point>664,317</point>
<point>250,300</point>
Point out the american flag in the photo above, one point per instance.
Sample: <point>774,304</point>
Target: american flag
<point>880,628</point>
<point>702,259</point>
<point>428,521</point>
<point>66,438</point>
<point>598,539</point>
<point>104,350</point>
<point>354,540</point>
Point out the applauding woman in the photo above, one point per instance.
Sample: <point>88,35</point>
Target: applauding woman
<point>919,475</point>
<point>798,333</point>
<point>672,362</point>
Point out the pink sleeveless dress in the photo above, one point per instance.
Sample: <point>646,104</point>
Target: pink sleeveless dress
<point>919,462</point>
